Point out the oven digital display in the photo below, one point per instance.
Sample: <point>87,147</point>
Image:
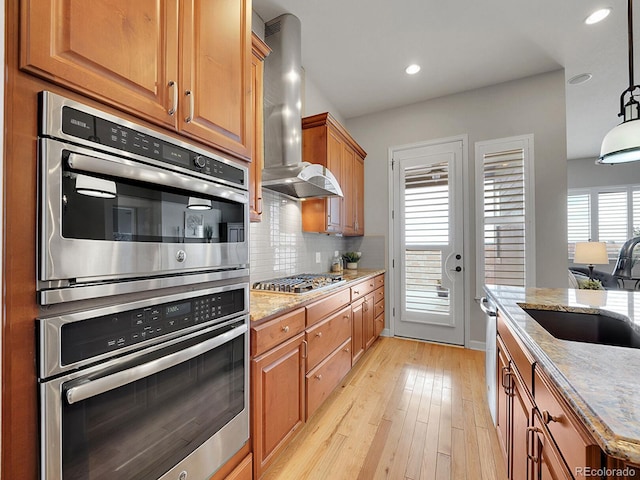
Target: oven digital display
<point>175,154</point>
<point>177,309</point>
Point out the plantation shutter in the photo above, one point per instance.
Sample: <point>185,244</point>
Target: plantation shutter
<point>578,220</point>
<point>613,221</point>
<point>504,218</point>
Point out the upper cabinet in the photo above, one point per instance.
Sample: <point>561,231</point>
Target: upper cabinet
<point>326,142</point>
<point>260,51</point>
<point>184,65</point>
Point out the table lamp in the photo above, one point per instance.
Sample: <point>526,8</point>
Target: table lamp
<point>591,253</point>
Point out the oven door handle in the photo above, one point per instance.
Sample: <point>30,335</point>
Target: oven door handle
<point>122,168</point>
<point>92,387</point>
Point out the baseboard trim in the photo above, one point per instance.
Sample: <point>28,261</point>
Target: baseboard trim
<point>476,345</point>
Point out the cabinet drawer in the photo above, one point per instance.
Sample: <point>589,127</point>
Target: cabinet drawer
<point>324,337</point>
<point>378,281</point>
<point>378,295</point>
<point>323,379</point>
<point>276,331</point>
<point>378,325</point>
<point>362,288</point>
<point>378,309</point>
<point>577,448</point>
<point>319,310</point>
<point>523,363</point>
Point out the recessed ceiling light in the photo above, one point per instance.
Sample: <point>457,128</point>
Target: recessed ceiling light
<point>580,78</point>
<point>412,69</point>
<point>597,16</point>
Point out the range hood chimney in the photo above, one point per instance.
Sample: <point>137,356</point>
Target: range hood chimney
<point>284,171</point>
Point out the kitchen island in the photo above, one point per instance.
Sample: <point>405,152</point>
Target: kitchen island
<point>598,382</point>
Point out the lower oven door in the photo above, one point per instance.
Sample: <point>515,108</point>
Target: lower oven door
<point>178,409</point>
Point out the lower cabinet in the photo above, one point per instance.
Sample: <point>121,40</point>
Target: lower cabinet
<point>278,399</point>
<point>357,335</point>
<point>323,379</point>
<point>540,436</point>
<point>244,471</point>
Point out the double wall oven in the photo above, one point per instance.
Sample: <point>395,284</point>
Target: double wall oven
<point>143,266</point>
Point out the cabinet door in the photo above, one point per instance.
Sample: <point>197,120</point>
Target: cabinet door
<point>520,423</point>
<point>547,461</point>
<point>216,74</point>
<point>368,320</point>
<point>349,215</point>
<point>117,51</point>
<point>259,51</point>
<point>358,194</point>
<point>334,164</point>
<point>278,399</point>
<point>503,391</point>
<point>357,337</point>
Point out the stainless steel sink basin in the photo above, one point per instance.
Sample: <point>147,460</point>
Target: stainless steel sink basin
<point>587,327</point>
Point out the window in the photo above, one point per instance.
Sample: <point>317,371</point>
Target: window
<point>603,214</point>
<point>505,211</point>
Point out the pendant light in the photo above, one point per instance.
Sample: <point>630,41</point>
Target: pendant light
<point>622,144</point>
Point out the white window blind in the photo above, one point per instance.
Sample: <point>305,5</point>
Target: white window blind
<point>636,213</point>
<point>504,218</point>
<point>613,220</point>
<point>578,220</point>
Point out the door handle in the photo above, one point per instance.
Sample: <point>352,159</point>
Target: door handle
<point>457,269</point>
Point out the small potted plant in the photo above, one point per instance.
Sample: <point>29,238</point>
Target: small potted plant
<point>351,259</point>
<point>591,285</point>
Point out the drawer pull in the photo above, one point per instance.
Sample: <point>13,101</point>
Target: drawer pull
<point>531,431</point>
<point>318,377</point>
<point>547,418</point>
<point>347,350</point>
<point>285,329</point>
<point>356,292</point>
<point>306,349</point>
<point>347,316</point>
<point>319,334</point>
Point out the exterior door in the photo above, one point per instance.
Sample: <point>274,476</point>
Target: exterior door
<point>428,230</point>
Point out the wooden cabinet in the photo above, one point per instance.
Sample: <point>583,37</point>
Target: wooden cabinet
<point>183,65</point>
<point>323,379</point>
<point>324,337</point>
<point>367,311</point>
<point>539,435</point>
<point>244,471</point>
<point>368,321</point>
<point>260,50</point>
<point>278,399</point>
<point>326,142</point>
<point>357,335</point>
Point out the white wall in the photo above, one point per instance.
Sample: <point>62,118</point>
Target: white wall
<point>531,105</point>
<point>584,173</point>
<point>314,101</point>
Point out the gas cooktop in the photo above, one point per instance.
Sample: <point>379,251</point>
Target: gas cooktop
<point>299,284</point>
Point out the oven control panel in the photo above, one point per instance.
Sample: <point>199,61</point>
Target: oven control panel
<point>85,339</point>
<point>91,128</point>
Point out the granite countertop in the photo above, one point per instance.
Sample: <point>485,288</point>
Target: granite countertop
<point>267,304</point>
<point>600,382</point>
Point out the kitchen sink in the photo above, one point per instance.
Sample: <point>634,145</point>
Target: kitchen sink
<point>587,327</point>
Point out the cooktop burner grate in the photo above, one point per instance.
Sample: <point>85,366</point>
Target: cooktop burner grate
<point>303,283</point>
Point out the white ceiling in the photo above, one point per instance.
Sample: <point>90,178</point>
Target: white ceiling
<point>356,52</point>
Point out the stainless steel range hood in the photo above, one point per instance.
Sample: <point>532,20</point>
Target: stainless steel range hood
<point>284,171</point>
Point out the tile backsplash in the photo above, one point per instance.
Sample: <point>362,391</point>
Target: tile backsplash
<point>280,248</point>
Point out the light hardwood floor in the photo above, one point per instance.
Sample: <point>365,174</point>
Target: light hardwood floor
<point>407,410</point>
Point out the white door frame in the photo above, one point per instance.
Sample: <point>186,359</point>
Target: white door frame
<point>468,245</point>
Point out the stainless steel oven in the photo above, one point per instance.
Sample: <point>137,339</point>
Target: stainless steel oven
<point>152,389</point>
<point>124,208</point>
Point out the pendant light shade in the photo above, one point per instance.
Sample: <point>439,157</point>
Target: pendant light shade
<point>622,144</point>
<point>196,203</point>
<point>95,187</point>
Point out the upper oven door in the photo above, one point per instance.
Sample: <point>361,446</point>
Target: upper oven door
<point>105,217</point>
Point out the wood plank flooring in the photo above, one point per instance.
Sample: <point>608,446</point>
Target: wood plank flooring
<point>407,410</point>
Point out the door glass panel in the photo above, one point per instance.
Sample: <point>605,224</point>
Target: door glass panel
<point>426,215</point>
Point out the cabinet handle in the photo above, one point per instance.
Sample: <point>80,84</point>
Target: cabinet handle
<point>319,334</point>
<point>346,316</point>
<point>306,348</point>
<point>174,103</point>
<point>531,431</point>
<point>547,418</point>
<point>356,292</point>
<point>189,94</point>
<point>259,212</point>
<point>318,377</point>
<point>347,349</point>
<point>285,329</point>
<point>505,374</point>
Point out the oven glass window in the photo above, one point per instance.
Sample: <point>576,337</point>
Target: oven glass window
<point>143,429</point>
<point>111,209</point>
